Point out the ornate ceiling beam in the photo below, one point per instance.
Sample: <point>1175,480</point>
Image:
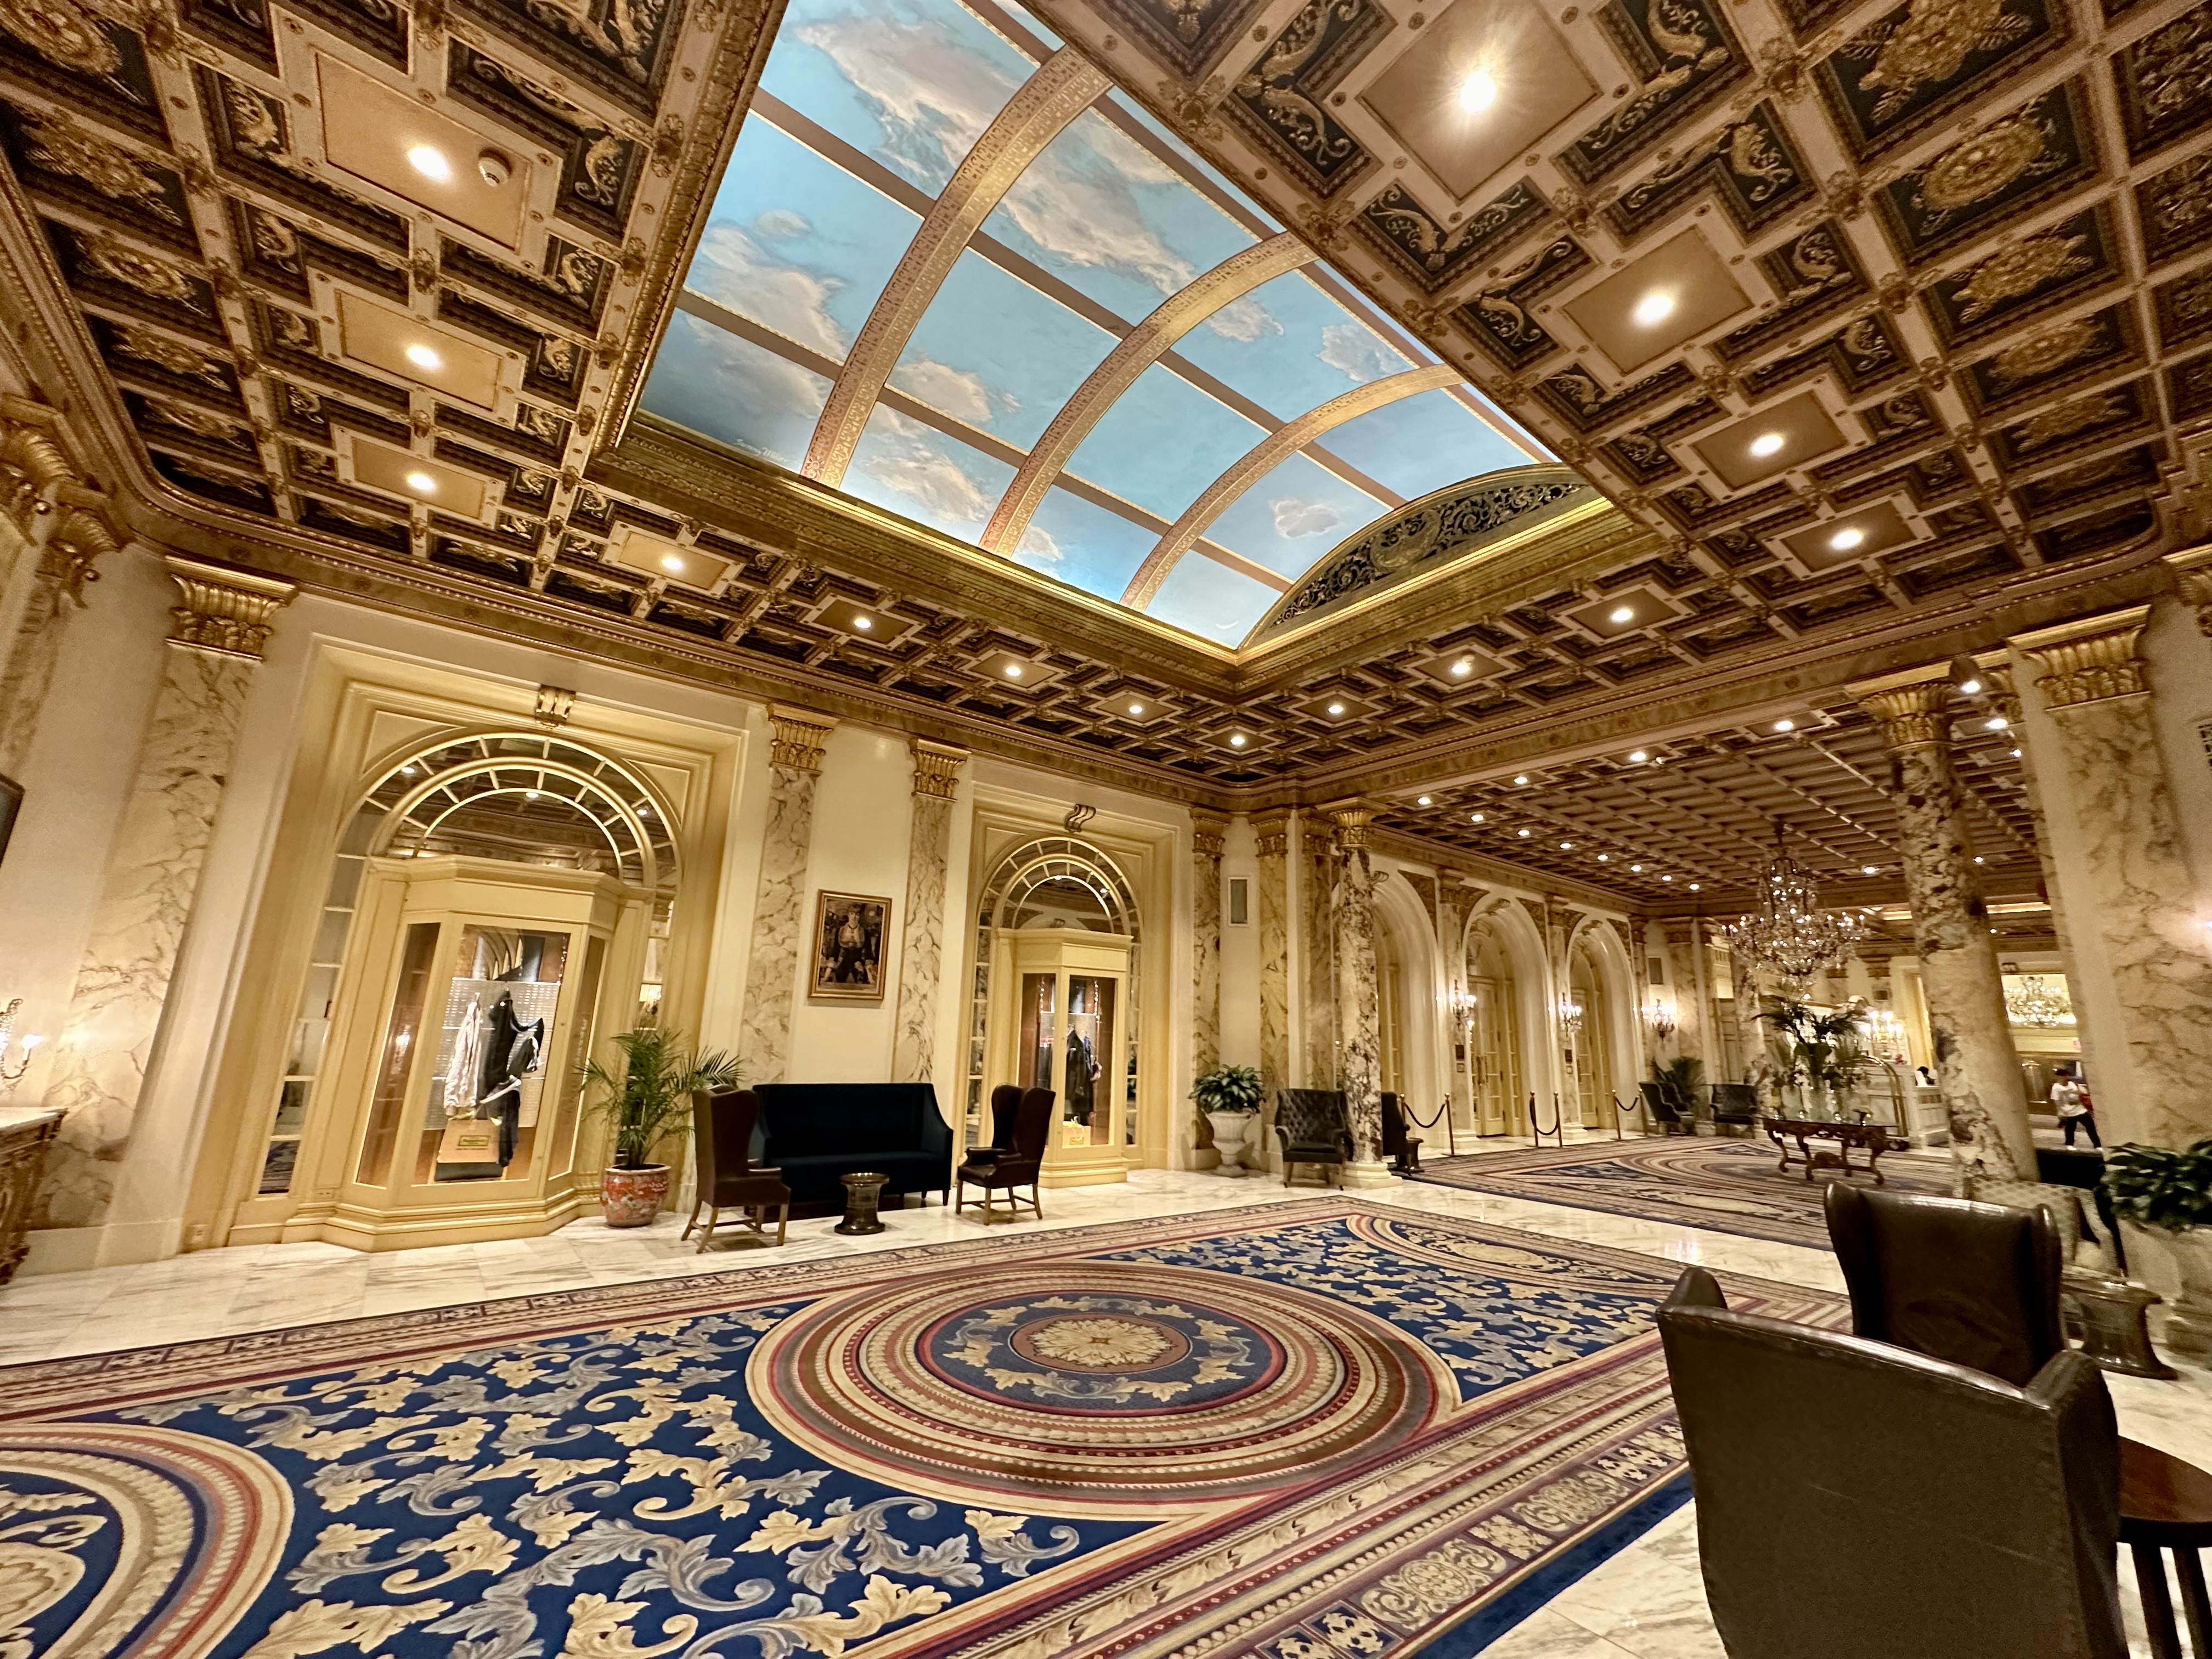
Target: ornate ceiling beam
<point>1175,317</point>
<point>1035,115</point>
<point>1265,456</point>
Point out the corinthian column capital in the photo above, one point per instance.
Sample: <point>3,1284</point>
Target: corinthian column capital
<point>1351,818</point>
<point>1209,833</point>
<point>1910,709</point>
<point>2193,579</point>
<point>936,768</point>
<point>800,736</point>
<point>224,613</point>
<point>2090,659</point>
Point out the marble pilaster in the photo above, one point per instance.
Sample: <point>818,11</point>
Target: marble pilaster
<point>2133,863</point>
<point>1686,944</point>
<point>1358,1005</point>
<point>772,964</point>
<point>1273,832</point>
<point>1208,838</point>
<point>219,627</point>
<point>921,936</point>
<point>1317,953</point>
<point>1977,1069</point>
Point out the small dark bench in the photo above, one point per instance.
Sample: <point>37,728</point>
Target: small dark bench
<point>815,1133</point>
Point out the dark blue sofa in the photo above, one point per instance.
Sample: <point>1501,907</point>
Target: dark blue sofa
<point>816,1132</point>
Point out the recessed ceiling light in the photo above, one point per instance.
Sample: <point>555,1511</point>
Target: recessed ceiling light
<point>1654,307</point>
<point>1869,870</point>
<point>1693,886</point>
<point>1666,878</point>
<point>1013,671</point>
<point>1520,777</point>
<point>407,771</point>
<point>1478,92</point>
<point>1525,835</point>
<point>530,795</point>
<point>672,562</point>
<point>1785,725</point>
<point>2015,754</point>
<point>1336,708</point>
<point>422,357</point>
<point>1425,800</point>
<point>1477,817</point>
<point>431,163</point>
<point>1566,847</point>
<point>1622,613</point>
<point>1996,722</point>
<point>1638,756</point>
<point>421,483</point>
<point>1136,709</point>
<point>1635,869</point>
<point>1978,858</point>
<point>1845,540</point>
<point>1461,669</point>
<point>1605,858</point>
<point>1970,687</point>
<point>1237,740</point>
<point>865,625</point>
<point>1765,444</point>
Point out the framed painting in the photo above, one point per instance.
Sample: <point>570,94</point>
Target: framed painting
<point>849,933</point>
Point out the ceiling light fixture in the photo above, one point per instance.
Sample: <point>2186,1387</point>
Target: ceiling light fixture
<point>1635,869</point>
<point>1666,878</point>
<point>1478,92</point>
<point>865,625</point>
<point>1785,725</point>
<point>1789,932</point>
<point>2015,754</point>
<point>1461,669</point>
<point>421,483</point>
<point>1424,801</point>
<point>1638,756</point>
<point>530,795</point>
<point>1136,709</point>
<point>1478,817</point>
<point>1868,869</point>
<point>422,357</point>
<point>1845,540</point>
<point>1622,613</point>
<point>1336,708</point>
<point>1013,671</point>
<point>1997,723</point>
<point>1525,834</point>
<point>1605,858</point>
<point>1654,307</point>
<point>431,163</point>
<point>672,562</point>
<point>1978,858</point>
<point>1970,687</point>
<point>1520,777</point>
<point>1566,847</point>
<point>1237,740</point>
<point>1765,444</point>
<point>1693,886</point>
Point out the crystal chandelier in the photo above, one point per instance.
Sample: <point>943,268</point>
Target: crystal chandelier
<point>1789,932</point>
<point>2034,999</point>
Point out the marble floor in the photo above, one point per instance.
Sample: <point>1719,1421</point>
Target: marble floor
<point>1647,1602</point>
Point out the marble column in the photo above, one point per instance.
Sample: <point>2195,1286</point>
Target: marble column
<point>2130,861</point>
<point>1274,830</point>
<point>772,966</point>
<point>1685,978</point>
<point>1209,833</point>
<point>1977,1069</point>
<point>1358,1006</point>
<point>922,937</point>
<point>219,626</point>
<point>1317,953</point>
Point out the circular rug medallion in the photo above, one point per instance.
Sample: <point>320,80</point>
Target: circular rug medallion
<point>1082,1386</point>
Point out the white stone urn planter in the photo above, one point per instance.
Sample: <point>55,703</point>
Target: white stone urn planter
<point>1231,1133</point>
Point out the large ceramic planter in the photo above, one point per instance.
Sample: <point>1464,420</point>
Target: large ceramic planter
<point>1230,1130</point>
<point>631,1198</point>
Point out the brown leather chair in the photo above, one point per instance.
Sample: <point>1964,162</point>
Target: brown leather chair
<point>1006,1100</point>
<point>1856,1499</point>
<point>1009,1168</point>
<point>722,1130</point>
<point>1311,1128</point>
<point>1973,1283</point>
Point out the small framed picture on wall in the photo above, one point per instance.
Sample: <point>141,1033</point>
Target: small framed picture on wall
<point>849,933</point>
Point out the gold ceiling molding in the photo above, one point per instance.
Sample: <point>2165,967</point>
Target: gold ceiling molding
<point>937,768</point>
<point>801,735</point>
<point>1142,347</point>
<point>1061,89</point>
<point>1264,458</point>
<point>2192,580</point>
<point>47,500</point>
<point>2091,660</point>
<point>225,612</point>
<point>1912,709</point>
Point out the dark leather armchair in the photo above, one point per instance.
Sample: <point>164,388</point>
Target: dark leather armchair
<point>722,1130</point>
<point>1976,1284</point>
<point>1663,1111</point>
<point>1735,1106</point>
<point>1311,1128</point>
<point>1857,1499</point>
<point>1005,1100</point>
<point>1008,1168</point>
<point>1400,1144</point>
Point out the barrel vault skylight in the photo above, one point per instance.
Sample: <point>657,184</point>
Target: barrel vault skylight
<point>951,272</point>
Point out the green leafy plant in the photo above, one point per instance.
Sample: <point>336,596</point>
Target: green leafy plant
<point>1679,1080</point>
<point>2158,1187</point>
<point>649,1098</point>
<point>1828,1051</point>
<point>1228,1088</point>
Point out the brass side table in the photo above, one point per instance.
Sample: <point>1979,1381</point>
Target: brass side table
<point>863,1191</point>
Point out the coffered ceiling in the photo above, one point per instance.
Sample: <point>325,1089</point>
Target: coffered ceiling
<point>1885,330</point>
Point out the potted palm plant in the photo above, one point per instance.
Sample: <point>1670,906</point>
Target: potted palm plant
<point>2171,1191</point>
<point>1679,1081</point>
<point>646,1101</point>
<point>1229,1095</point>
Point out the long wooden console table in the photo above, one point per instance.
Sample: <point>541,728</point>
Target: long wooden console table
<point>1873,1138</point>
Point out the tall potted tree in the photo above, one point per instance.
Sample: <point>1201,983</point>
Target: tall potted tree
<point>1230,1097</point>
<point>2170,1191</point>
<point>648,1100</point>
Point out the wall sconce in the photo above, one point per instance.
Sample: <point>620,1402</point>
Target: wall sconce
<point>12,1074</point>
<point>1570,1016</point>
<point>1460,1001</point>
<point>1659,1017</point>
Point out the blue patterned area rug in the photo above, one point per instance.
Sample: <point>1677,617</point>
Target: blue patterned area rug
<point>1314,1431</point>
<point>1726,1186</point>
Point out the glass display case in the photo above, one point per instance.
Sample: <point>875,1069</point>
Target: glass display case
<point>1062,1033</point>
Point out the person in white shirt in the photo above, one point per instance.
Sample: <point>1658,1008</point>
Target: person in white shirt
<point>2071,1102</point>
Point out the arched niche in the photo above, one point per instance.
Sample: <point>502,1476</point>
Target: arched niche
<point>1501,945</point>
<point>1409,988</point>
<point>1605,1066</point>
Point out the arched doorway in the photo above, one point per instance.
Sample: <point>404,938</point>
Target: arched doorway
<point>1597,1025</point>
<point>1056,1003</point>
<point>496,901</point>
<point>1493,1031</point>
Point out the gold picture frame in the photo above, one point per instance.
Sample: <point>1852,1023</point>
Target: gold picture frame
<point>852,932</point>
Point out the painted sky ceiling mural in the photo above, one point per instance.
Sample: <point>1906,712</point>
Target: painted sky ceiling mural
<point>950,272</point>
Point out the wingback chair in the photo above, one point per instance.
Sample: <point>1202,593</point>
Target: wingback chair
<point>1311,1128</point>
<point>1735,1106</point>
<point>1006,1099</point>
<point>1976,1284</point>
<point>1663,1111</point>
<point>1009,1168</point>
<point>722,1130</point>
<point>1855,1498</point>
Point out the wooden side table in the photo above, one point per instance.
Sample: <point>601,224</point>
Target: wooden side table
<point>863,1191</point>
<point>2165,1504</point>
<point>25,1134</point>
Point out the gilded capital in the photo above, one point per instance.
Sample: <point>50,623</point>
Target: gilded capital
<point>2090,660</point>
<point>1274,830</point>
<point>2192,580</point>
<point>1910,716</point>
<point>222,611</point>
<point>1209,833</point>
<point>46,499</point>
<point>800,736</point>
<point>555,704</point>
<point>1351,818</point>
<point>936,768</point>
<point>1996,670</point>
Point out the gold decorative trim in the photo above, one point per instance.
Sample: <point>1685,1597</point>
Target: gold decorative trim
<point>2091,660</point>
<point>225,612</point>
<point>1144,345</point>
<point>2192,580</point>
<point>800,736</point>
<point>555,703</point>
<point>1911,716</point>
<point>1351,818</point>
<point>45,497</point>
<point>1263,457</point>
<point>1061,89</point>
<point>937,768</point>
<point>1209,833</point>
<point>1274,830</point>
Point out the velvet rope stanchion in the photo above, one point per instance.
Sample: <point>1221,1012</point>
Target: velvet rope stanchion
<point>1558,1132</point>
<point>1443,1114</point>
